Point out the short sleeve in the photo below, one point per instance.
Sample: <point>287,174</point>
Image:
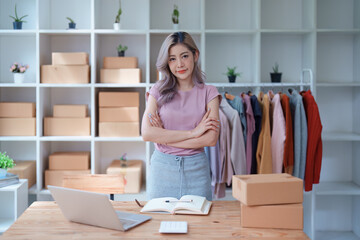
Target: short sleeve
<point>154,91</point>
<point>211,93</point>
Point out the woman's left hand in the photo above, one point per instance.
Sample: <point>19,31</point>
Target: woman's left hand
<point>155,120</point>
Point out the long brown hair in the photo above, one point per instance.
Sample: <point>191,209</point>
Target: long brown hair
<point>168,83</point>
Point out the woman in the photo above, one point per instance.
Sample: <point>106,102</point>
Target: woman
<point>181,118</point>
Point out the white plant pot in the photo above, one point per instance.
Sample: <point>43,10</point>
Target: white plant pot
<point>117,26</point>
<point>19,77</point>
<point>176,26</point>
<point>3,172</point>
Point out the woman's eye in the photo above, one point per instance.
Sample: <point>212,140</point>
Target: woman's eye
<point>171,59</point>
<point>185,56</point>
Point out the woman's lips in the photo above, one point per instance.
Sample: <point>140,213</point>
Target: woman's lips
<point>181,71</point>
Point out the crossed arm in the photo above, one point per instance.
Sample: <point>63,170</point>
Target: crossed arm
<point>205,134</point>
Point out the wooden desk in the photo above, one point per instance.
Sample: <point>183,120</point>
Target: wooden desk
<point>44,220</point>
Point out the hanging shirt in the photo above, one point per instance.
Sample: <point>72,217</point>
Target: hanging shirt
<point>238,157</point>
<point>300,132</point>
<point>238,105</point>
<point>213,154</point>
<point>277,132</point>
<point>314,147</point>
<point>263,153</point>
<point>255,138</point>
<point>225,149</point>
<point>184,112</point>
<point>289,137</point>
<point>250,126</point>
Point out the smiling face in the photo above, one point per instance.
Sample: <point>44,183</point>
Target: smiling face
<point>181,62</point>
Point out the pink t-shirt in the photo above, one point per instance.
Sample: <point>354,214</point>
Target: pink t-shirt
<point>184,112</point>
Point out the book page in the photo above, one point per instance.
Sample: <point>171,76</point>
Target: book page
<point>196,205</point>
<point>159,205</point>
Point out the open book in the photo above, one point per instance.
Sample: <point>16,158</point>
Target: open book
<point>187,204</point>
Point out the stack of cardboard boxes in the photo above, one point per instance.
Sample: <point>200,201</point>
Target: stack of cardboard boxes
<point>270,200</point>
<point>17,119</point>
<point>131,172</point>
<point>119,114</point>
<point>70,67</point>
<point>25,170</point>
<point>66,163</point>
<point>120,70</point>
<point>68,120</point>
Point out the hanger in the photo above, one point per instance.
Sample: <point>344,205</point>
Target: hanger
<point>229,96</point>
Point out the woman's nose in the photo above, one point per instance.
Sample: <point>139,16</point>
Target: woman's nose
<point>179,63</point>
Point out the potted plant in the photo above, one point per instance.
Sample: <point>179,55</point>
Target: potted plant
<point>72,24</point>
<point>175,17</point>
<point>275,75</point>
<point>18,70</point>
<point>5,163</point>
<point>17,24</point>
<point>232,74</point>
<point>121,50</point>
<point>117,18</point>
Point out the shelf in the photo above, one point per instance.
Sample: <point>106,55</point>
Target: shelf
<point>121,31</point>
<point>119,139</point>
<point>229,31</point>
<point>169,31</point>
<point>333,235</point>
<point>338,84</point>
<point>287,31</point>
<point>337,188</point>
<point>65,32</point>
<point>119,85</point>
<point>21,32</point>
<point>5,223</point>
<point>340,136</point>
<point>18,85</point>
<point>69,85</point>
<point>17,138</point>
<point>65,138</point>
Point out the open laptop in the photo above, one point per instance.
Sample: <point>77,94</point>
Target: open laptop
<point>93,209</point>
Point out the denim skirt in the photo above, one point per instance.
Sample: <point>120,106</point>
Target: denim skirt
<point>175,176</point>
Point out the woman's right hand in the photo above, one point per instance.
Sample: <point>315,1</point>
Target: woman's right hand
<point>205,125</point>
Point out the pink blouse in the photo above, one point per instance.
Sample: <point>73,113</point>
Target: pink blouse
<point>184,112</point>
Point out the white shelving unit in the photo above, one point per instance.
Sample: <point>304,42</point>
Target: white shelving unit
<point>13,202</point>
<point>321,35</point>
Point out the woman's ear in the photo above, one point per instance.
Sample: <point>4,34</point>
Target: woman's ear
<point>196,56</point>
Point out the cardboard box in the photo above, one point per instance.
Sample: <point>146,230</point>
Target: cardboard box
<point>70,58</point>
<point>70,111</point>
<point>25,170</point>
<point>17,126</point>
<point>69,161</point>
<point>120,62</point>
<point>119,99</point>
<point>100,183</point>
<point>126,76</point>
<point>119,114</point>
<point>132,174</point>
<point>119,129</point>
<point>17,110</point>
<point>65,74</point>
<point>264,189</point>
<point>66,126</point>
<point>284,216</point>
<point>55,177</point>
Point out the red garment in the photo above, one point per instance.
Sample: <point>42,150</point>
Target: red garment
<point>289,140</point>
<point>314,145</point>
